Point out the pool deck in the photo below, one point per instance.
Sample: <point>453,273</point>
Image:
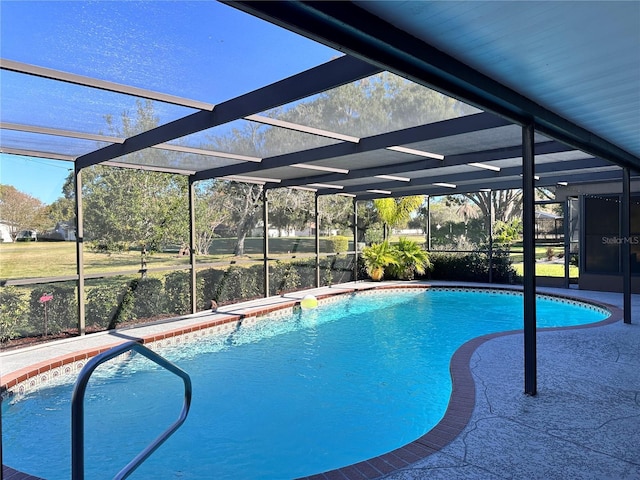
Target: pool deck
<point>583,423</point>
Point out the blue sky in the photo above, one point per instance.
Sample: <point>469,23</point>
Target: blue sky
<point>200,50</point>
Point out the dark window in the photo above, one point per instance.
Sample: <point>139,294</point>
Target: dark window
<point>602,234</point>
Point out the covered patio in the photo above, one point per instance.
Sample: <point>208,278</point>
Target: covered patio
<point>546,104</point>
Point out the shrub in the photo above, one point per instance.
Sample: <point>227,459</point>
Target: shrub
<point>283,278</point>
<point>125,311</point>
<point>472,267</point>
<point>13,312</point>
<point>337,269</point>
<point>306,272</point>
<point>377,257</point>
<point>210,279</point>
<point>148,298</point>
<point>326,271</point>
<point>236,283</point>
<point>549,253</point>
<point>337,244</point>
<point>411,259</point>
<point>60,312</point>
<point>102,309</point>
<point>177,287</point>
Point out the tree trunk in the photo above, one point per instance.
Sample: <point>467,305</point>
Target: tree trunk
<point>243,229</point>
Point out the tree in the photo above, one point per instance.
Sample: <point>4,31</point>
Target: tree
<point>290,208</point>
<point>213,208</point>
<point>380,103</point>
<point>247,196</point>
<point>20,211</point>
<point>335,212</point>
<point>126,206</point>
<point>506,203</point>
<point>397,211</point>
<point>506,233</point>
<point>63,210</point>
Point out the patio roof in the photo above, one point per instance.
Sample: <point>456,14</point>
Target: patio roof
<point>581,86</point>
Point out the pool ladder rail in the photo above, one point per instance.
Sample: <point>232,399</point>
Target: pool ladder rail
<point>77,408</point>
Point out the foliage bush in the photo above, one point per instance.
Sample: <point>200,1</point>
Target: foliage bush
<point>472,267</point>
<point>411,260</point>
<point>107,306</point>
<point>377,257</point>
<point>13,313</point>
<point>306,272</point>
<point>109,303</point>
<point>337,244</point>
<point>210,278</point>
<point>336,269</point>
<point>148,298</point>
<point>283,278</point>
<point>61,310</point>
<point>236,284</point>
<point>177,287</point>
<point>374,235</point>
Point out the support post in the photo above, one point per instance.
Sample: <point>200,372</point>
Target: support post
<point>317,220</point>
<point>80,249</point>
<point>492,220</point>
<point>528,190</point>
<point>355,240</point>
<point>192,245</point>
<point>265,240</point>
<point>567,241</point>
<point>428,223</point>
<point>626,244</point>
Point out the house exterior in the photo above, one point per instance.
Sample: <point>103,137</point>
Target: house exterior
<point>5,232</point>
<point>601,238</point>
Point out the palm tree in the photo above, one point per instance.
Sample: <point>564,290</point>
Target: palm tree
<point>396,211</point>
<point>376,257</point>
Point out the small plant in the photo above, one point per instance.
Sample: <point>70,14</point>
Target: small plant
<point>376,257</point>
<point>410,258</point>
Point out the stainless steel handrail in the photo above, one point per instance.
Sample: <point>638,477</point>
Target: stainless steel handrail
<point>77,408</point>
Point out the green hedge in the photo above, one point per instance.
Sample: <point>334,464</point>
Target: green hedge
<point>112,301</point>
<point>471,267</point>
<point>107,306</point>
<point>56,315</point>
<point>337,244</point>
<point>13,313</point>
<point>177,287</point>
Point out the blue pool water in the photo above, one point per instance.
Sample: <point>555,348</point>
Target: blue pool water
<point>286,398</point>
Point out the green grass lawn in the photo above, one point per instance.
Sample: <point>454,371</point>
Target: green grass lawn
<point>56,259</point>
<point>53,259</point>
<point>548,270</point>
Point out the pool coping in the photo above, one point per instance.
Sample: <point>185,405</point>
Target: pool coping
<point>457,414</point>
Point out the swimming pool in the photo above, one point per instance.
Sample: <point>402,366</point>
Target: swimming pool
<point>285,398</point>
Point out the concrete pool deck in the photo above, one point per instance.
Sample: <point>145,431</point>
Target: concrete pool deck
<point>584,423</point>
